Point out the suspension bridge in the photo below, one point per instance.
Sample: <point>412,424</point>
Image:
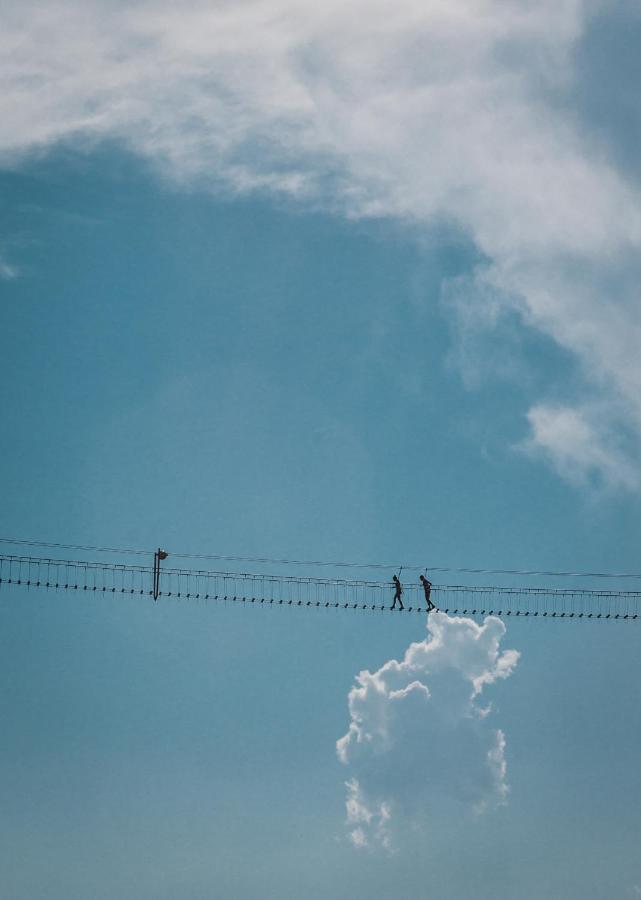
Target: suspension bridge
<point>105,577</point>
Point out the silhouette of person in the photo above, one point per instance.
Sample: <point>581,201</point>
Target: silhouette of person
<point>427,587</point>
<point>398,590</point>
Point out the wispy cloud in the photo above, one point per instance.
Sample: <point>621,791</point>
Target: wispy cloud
<point>579,447</point>
<point>420,110</point>
<point>419,732</point>
<point>7,271</point>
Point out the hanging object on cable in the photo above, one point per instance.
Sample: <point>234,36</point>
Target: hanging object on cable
<point>158,556</point>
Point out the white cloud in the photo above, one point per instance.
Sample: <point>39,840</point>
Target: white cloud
<point>579,447</point>
<point>418,732</point>
<point>421,110</point>
<point>364,821</point>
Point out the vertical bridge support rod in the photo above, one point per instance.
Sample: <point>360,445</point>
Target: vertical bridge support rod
<point>158,555</point>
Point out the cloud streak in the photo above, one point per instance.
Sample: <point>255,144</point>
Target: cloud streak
<point>423,112</point>
<point>7,271</point>
<point>419,734</point>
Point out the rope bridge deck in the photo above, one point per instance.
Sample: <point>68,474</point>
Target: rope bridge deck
<point>260,589</point>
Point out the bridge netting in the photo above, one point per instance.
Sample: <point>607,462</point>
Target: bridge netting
<point>311,592</point>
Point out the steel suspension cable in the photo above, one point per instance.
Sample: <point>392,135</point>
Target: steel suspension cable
<point>265,560</point>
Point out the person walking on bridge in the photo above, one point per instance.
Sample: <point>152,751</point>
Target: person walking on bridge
<point>398,590</point>
<point>427,587</point>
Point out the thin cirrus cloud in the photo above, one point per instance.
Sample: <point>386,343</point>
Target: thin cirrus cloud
<point>7,271</point>
<point>419,111</point>
<point>420,735</point>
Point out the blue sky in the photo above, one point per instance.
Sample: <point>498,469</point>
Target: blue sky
<point>357,286</point>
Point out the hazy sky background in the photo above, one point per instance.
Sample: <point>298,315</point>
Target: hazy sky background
<point>345,281</point>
